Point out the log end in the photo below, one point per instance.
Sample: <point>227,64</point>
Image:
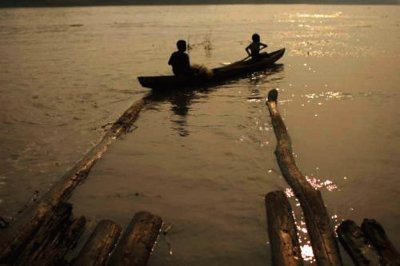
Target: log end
<point>138,240</point>
<point>100,245</point>
<point>378,238</point>
<point>273,95</point>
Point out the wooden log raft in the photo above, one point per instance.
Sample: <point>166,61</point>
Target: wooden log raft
<point>138,240</point>
<point>377,237</point>
<point>285,247</point>
<point>57,234</point>
<point>357,244</point>
<point>15,237</point>
<point>319,226</point>
<point>100,244</point>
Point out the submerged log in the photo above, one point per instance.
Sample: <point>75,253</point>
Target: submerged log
<point>14,238</point>
<point>100,244</point>
<point>138,240</point>
<point>356,244</point>
<point>377,236</point>
<point>285,247</point>
<point>319,226</point>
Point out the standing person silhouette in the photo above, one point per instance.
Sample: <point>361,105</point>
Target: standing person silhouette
<point>179,60</point>
<point>253,49</point>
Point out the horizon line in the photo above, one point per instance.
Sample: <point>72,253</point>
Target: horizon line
<point>87,3</point>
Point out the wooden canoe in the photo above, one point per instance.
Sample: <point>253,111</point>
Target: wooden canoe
<point>219,74</point>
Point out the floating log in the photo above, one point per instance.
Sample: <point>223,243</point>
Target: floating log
<point>356,244</point>
<point>138,240</point>
<point>14,238</point>
<point>285,247</point>
<point>100,244</point>
<point>377,236</point>
<point>319,226</point>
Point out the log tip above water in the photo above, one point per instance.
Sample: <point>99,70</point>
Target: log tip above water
<point>273,95</point>
<point>138,240</point>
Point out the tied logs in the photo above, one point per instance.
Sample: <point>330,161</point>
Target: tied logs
<point>18,234</point>
<point>57,234</point>
<point>60,232</point>
<point>319,227</point>
<point>366,245</point>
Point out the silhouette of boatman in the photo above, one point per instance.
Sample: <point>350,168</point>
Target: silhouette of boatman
<point>179,60</point>
<point>254,48</point>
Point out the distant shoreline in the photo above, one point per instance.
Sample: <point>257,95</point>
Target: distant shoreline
<point>87,3</point>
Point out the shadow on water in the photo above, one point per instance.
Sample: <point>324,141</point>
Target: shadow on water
<point>267,76</point>
<point>270,77</point>
<point>181,99</point>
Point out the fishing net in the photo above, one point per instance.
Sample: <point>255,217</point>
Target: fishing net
<point>202,71</point>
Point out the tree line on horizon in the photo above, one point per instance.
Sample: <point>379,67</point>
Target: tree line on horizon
<point>38,3</point>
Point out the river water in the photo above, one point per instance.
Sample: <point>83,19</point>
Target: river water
<point>202,160</point>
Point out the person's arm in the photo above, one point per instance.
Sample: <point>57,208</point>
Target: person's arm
<point>171,59</point>
<point>248,50</point>
<point>188,60</point>
<point>263,45</point>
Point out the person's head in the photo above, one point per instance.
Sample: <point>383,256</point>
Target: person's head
<point>181,45</point>
<point>255,37</point>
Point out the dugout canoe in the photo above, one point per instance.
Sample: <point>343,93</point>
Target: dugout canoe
<point>219,74</point>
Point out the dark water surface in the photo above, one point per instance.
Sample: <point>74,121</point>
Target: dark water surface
<point>203,160</point>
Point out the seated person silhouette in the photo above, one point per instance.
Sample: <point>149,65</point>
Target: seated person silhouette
<point>179,60</point>
<point>254,48</point>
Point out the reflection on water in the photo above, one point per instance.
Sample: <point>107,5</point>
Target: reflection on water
<point>316,15</point>
<point>261,77</point>
<point>328,95</point>
<point>181,99</point>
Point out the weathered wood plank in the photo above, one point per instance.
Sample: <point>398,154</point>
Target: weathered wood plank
<point>319,226</point>
<point>285,247</point>
<point>356,244</point>
<point>97,249</point>
<point>378,238</point>
<point>138,240</point>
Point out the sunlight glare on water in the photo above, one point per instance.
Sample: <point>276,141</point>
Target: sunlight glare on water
<point>333,15</point>
<point>304,240</point>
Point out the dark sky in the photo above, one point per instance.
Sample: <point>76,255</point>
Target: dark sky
<point>141,2</point>
<point>279,1</point>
